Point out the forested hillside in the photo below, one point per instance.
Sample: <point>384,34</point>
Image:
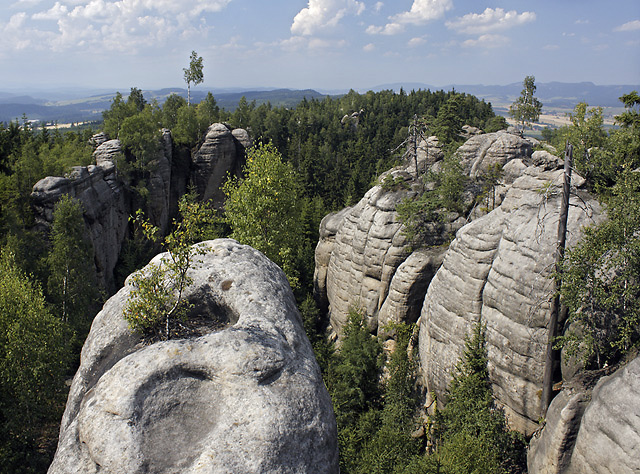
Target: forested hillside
<point>317,157</point>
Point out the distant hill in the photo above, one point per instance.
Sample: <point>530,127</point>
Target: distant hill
<point>90,108</point>
<point>551,94</point>
<point>554,95</point>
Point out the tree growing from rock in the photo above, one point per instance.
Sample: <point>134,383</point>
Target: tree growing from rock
<point>526,109</point>
<point>193,74</point>
<point>156,299</point>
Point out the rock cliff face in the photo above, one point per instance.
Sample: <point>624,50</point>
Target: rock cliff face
<point>222,152</point>
<point>104,199</point>
<point>498,270</point>
<point>108,202</point>
<point>592,430</point>
<point>362,258</point>
<point>245,397</point>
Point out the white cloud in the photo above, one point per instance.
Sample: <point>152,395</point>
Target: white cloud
<point>551,47</point>
<point>369,47</point>
<point>415,42</point>
<point>321,14</point>
<point>300,43</point>
<point>421,12</point>
<point>628,26</point>
<point>486,41</point>
<point>120,25</point>
<point>490,20</point>
<point>378,6</point>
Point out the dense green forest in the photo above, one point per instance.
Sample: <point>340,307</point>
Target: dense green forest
<point>320,156</point>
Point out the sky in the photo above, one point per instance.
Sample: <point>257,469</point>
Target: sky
<point>318,44</point>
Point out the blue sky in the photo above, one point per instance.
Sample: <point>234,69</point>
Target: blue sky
<point>322,44</point>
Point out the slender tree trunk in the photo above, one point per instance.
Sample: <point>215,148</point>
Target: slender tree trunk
<point>558,314</point>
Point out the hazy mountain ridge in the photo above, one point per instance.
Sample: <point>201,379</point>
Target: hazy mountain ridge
<point>62,106</point>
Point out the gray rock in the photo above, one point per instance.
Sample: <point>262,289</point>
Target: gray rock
<point>106,209</point>
<point>247,397</point>
<point>481,151</point>
<point>595,430</point>
<point>221,154</point>
<point>550,449</point>
<point>159,184</point>
<point>498,269</point>
<point>609,436</point>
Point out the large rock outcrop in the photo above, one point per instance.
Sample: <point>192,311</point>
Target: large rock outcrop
<point>104,199</point>
<point>221,154</point>
<point>361,253</point>
<point>105,192</point>
<point>247,396</point>
<point>498,270</point>
<point>592,430</point>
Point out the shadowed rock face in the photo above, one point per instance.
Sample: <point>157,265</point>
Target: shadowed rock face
<point>105,202</point>
<point>498,270</point>
<point>108,202</point>
<point>247,397</point>
<point>221,154</point>
<point>592,430</point>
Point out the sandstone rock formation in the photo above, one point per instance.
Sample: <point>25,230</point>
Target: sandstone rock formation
<point>362,248</point>
<point>245,397</point>
<point>222,153</point>
<point>596,431</point>
<point>498,270</point>
<point>105,194</point>
<point>105,202</point>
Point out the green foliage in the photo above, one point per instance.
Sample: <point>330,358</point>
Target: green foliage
<point>526,109</point>
<point>140,135</point>
<point>449,121</point>
<point>422,215</point>
<point>601,281</point>
<point>470,433</point>
<point>392,446</point>
<point>490,180</point>
<point>353,385</point>
<point>170,110</point>
<point>34,355</point>
<point>72,280</point>
<point>156,300</point>
<point>264,209</point>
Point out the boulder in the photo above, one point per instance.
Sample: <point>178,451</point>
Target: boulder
<point>244,396</point>
<point>221,154</point>
<point>498,270</point>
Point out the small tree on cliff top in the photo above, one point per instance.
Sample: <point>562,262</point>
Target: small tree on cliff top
<point>193,74</point>
<point>157,295</point>
<point>526,109</point>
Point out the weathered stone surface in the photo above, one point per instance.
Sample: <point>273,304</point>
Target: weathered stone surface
<point>245,398</point>
<point>368,247</point>
<point>105,203</point>
<point>587,429</point>
<point>550,449</point>
<point>221,154</point>
<point>498,270</point>
<point>408,287</point>
<point>609,436</point>
<point>481,151</point>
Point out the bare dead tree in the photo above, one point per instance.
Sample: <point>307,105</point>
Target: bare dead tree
<point>558,313</point>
